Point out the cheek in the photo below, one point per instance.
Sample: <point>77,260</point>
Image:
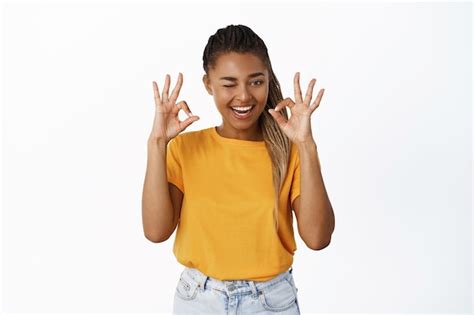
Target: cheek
<point>222,100</point>
<point>262,95</point>
<point>222,97</point>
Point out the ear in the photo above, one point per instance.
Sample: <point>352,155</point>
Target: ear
<point>207,84</point>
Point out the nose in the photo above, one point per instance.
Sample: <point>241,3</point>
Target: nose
<point>243,94</point>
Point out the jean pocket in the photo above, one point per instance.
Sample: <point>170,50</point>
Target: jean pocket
<point>278,297</point>
<point>292,282</point>
<point>187,289</point>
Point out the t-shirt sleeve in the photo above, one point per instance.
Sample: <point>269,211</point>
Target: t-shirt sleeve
<point>173,164</point>
<point>295,184</point>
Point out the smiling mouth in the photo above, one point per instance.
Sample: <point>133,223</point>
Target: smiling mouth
<point>240,111</point>
<point>243,114</point>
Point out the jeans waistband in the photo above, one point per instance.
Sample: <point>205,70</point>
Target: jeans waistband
<point>232,287</point>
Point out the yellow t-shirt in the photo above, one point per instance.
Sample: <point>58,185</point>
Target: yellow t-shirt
<point>226,227</point>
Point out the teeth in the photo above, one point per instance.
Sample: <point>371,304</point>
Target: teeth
<point>242,108</point>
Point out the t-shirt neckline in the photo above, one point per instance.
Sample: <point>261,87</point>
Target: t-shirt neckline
<point>238,142</point>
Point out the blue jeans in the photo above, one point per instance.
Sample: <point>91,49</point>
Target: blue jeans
<point>197,293</point>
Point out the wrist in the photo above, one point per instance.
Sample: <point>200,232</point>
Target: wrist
<point>307,143</point>
<point>153,141</point>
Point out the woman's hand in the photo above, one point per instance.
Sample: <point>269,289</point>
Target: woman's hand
<point>298,126</point>
<point>166,124</point>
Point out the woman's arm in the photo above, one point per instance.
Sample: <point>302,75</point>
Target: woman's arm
<point>313,210</point>
<point>158,214</point>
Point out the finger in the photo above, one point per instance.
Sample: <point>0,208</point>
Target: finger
<point>317,101</point>
<point>166,88</point>
<point>187,110</point>
<point>156,92</point>
<point>177,107</point>
<point>281,121</point>
<point>184,106</point>
<point>297,88</point>
<point>177,88</point>
<point>286,102</point>
<point>309,92</point>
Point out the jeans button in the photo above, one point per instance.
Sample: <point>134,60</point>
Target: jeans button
<point>231,287</point>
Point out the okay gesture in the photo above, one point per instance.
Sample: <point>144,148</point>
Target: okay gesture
<point>298,126</point>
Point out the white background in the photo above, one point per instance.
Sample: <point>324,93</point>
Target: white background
<point>393,132</point>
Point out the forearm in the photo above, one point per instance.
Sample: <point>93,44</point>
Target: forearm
<point>316,217</point>
<point>157,207</point>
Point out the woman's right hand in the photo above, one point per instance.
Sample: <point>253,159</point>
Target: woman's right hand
<point>166,124</point>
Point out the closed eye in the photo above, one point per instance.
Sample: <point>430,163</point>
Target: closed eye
<point>260,82</point>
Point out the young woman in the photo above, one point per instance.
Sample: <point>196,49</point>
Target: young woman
<point>232,187</point>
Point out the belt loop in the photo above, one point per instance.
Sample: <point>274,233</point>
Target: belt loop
<point>253,288</point>
<point>203,282</point>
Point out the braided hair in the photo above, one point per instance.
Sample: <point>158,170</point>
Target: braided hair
<point>242,39</point>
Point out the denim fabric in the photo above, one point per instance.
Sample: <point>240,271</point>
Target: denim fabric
<point>197,293</point>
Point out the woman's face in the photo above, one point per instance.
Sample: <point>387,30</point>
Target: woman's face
<point>238,80</point>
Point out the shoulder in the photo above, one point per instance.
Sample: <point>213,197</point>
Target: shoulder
<point>193,135</point>
<point>188,138</point>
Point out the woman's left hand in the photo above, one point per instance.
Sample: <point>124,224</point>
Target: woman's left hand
<point>298,126</point>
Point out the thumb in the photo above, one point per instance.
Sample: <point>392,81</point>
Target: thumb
<point>188,121</point>
<point>278,117</point>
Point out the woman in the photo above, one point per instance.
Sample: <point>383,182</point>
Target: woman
<point>232,187</point>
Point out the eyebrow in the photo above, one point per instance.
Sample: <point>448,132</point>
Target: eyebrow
<point>253,75</point>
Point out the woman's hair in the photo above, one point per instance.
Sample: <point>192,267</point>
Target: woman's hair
<point>241,39</point>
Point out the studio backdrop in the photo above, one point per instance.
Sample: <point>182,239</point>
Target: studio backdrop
<point>393,132</point>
